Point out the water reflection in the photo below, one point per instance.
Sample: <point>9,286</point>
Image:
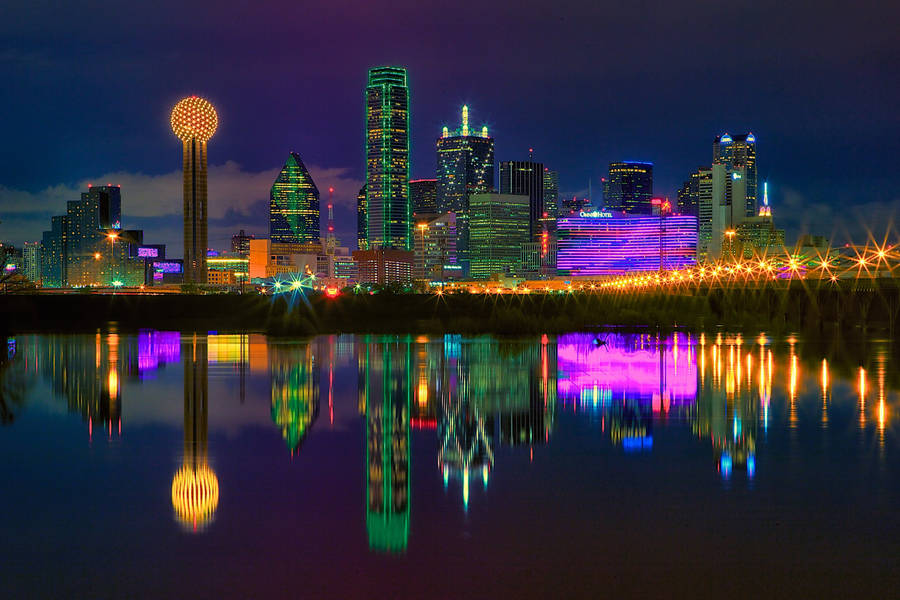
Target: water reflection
<point>195,487</point>
<point>482,400</point>
<point>386,388</point>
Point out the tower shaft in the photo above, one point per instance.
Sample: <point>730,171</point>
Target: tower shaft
<point>195,211</point>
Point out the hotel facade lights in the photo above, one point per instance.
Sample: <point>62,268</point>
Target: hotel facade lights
<point>602,243</point>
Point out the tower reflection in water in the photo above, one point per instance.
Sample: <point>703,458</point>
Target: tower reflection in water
<point>195,487</point>
<point>385,388</point>
<point>728,408</point>
<point>295,391</point>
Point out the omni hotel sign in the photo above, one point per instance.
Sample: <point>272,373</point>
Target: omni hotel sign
<point>596,214</point>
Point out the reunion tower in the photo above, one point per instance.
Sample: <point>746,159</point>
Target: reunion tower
<point>194,121</point>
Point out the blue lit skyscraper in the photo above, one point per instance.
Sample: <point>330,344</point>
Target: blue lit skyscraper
<point>739,152</point>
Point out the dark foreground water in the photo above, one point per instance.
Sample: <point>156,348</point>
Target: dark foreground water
<point>187,465</point>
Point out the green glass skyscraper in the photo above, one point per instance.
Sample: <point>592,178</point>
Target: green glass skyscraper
<point>389,211</point>
<point>499,228</point>
<point>294,205</point>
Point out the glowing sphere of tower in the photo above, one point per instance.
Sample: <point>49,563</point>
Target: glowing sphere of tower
<point>194,118</point>
<point>195,496</point>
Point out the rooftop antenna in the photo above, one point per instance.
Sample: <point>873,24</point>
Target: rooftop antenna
<point>531,154</point>
<point>465,121</point>
<point>330,241</point>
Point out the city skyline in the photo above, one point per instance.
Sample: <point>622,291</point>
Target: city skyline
<point>578,119</point>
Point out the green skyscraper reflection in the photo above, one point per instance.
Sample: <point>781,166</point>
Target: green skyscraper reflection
<point>385,387</point>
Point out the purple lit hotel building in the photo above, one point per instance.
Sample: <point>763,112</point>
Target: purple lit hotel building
<point>602,243</point>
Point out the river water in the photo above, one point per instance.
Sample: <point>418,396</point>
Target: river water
<point>183,465</point>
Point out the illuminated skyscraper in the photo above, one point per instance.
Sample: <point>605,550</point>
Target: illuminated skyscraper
<point>551,193</point>
<point>294,205</point>
<point>240,243</point>
<point>522,177</point>
<point>703,178</point>
<point>54,252</point>
<point>389,222</point>
<point>435,248</point>
<point>629,187</point>
<point>362,220</point>
<point>194,121</point>
<point>689,194</point>
<point>31,257</point>
<point>739,152</point>
<point>424,196</point>
<point>88,247</point>
<point>465,165</point>
<point>499,230</point>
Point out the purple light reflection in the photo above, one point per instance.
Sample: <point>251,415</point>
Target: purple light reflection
<point>626,368</point>
<point>156,348</point>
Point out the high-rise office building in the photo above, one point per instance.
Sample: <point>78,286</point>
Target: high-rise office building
<point>499,229</point>
<point>194,121</point>
<point>88,247</point>
<point>571,206</point>
<point>551,193</point>
<point>54,252</point>
<point>362,220</point>
<point>240,243</point>
<point>739,152</point>
<point>294,205</point>
<point>389,222</point>
<point>628,187</point>
<point>424,196</point>
<point>723,203</point>
<point>689,195</point>
<point>31,258</point>
<point>703,178</point>
<point>465,165</point>
<point>384,266</point>
<point>523,177</point>
<point>435,248</point>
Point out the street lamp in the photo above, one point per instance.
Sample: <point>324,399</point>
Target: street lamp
<point>112,236</point>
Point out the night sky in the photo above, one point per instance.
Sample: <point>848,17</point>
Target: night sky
<point>88,86</point>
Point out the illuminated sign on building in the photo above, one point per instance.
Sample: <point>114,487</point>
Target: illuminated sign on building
<point>167,267</point>
<point>596,214</point>
<point>148,252</point>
